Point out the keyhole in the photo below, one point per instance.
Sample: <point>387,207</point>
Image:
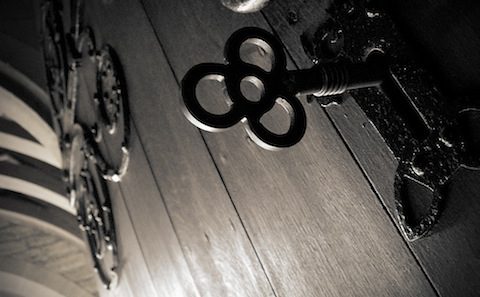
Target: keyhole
<point>252,88</point>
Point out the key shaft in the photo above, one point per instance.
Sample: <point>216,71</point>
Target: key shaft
<point>336,78</point>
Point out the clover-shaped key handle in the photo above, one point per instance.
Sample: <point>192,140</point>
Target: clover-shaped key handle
<point>274,90</point>
<point>278,86</point>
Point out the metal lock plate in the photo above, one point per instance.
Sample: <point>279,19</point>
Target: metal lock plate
<point>418,122</point>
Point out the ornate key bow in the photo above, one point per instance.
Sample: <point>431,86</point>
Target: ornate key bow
<point>242,109</point>
<point>278,86</point>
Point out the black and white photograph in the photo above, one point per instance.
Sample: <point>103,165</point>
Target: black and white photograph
<point>239,148</point>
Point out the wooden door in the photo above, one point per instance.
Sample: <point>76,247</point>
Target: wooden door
<point>212,214</point>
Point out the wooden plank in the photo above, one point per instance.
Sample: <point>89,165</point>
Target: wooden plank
<point>134,277</point>
<point>448,256</point>
<point>317,227</point>
<point>218,252</point>
<point>159,243</point>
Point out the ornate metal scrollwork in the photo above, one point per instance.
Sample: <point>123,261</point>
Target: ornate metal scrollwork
<point>82,78</point>
<point>419,123</point>
<point>55,54</point>
<point>113,107</point>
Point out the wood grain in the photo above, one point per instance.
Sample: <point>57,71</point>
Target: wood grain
<point>42,254</point>
<point>310,213</point>
<point>17,275</point>
<point>159,243</point>
<point>450,256</point>
<point>134,278</point>
<point>156,241</point>
<point>216,248</point>
<point>52,218</point>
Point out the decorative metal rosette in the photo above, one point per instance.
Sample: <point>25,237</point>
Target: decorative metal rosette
<point>113,106</point>
<point>81,79</point>
<point>96,219</point>
<point>89,195</point>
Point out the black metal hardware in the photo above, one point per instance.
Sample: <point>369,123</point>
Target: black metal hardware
<point>72,57</point>
<point>113,106</point>
<point>417,122</point>
<point>421,126</point>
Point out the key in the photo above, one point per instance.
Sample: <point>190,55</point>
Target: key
<point>278,86</point>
